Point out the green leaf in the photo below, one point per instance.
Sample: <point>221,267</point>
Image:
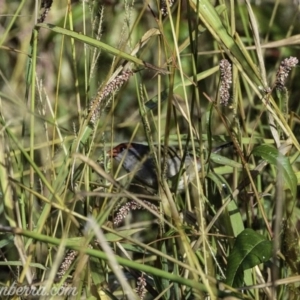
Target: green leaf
<point>250,249</point>
<point>274,157</point>
<point>92,42</point>
<point>6,239</point>
<point>97,276</point>
<point>222,160</point>
<point>20,264</point>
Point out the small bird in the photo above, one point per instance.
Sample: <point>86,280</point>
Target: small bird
<point>137,158</point>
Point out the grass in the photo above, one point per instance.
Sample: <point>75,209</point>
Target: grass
<point>89,77</point>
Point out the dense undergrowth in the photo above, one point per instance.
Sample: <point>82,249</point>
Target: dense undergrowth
<point>79,78</point>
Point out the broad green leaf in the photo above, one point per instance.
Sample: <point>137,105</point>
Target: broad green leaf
<point>274,157</point>
<point>222,160</point>
<point>96,270</point>
<point>250,249</point>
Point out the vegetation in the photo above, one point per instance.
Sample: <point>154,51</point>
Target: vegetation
<point>79,78</point>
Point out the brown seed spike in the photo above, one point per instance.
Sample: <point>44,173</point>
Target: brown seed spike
<point>46,5</point>
<point>284,70</point>
<point>164,7</point>
<point>226,80</point>
<point>104,95</point>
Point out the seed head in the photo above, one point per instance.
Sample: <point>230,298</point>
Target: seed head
<point>104,96</point>
<point>226,81</point>
<point>284,70</point>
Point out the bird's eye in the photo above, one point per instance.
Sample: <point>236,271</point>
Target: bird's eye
<point>122,147</point>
